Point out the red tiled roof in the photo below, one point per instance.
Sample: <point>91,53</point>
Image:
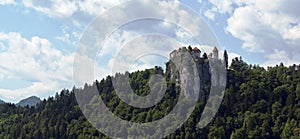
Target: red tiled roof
<point>195,49</point>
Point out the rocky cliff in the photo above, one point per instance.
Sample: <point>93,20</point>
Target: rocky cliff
<point>188,69</point>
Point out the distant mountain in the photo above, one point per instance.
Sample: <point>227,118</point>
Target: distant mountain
<point>1,101</point>
<point>31,101</point>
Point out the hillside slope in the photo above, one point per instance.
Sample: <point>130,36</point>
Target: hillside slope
<point>258,103</point>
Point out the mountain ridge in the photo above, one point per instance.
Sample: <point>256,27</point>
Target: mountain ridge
<point>30,101</point>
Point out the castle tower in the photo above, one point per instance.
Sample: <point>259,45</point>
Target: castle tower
<point>215,53</point>
<point>173,53</point>
<point>210,55</point>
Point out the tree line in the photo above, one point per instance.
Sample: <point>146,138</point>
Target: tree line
<point>258,103</point>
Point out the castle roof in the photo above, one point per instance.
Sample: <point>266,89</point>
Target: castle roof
<point>196,49</point>
<point>215,49</point>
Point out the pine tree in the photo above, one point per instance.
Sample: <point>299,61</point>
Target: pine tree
<point>205,56</point>
<point>226,58</point>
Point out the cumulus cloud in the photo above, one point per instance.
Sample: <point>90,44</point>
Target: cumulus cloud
<point>35,61</point>
<point>96,7</point>
<point>65,36</point>
<point>210,14</point>
<point>145,51</point>
<point>66,8</point>
<point>130,51</point>
<point>124,51</point>
<point>69,35</point>
<point>48,69</point>
<point>271,28</point>
<point>219,7</point>
<point>78,10</point>
<point>6,2</point>
<point>53,8</point>
<point>280,56</point>
<point>185,24</point>
<point>224,6</point>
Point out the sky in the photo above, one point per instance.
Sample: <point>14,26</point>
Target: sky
<point>38,39</point>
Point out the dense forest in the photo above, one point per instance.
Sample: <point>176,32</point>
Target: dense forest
<point>258,103</point>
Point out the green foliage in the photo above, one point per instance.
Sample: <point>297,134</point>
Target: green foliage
<point>258,103</point>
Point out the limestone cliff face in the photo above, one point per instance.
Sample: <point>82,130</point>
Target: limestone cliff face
<point>188,69</point>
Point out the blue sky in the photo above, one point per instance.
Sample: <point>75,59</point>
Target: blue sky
<point>38,40</point>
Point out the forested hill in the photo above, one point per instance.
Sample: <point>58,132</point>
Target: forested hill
<point>258,103</point>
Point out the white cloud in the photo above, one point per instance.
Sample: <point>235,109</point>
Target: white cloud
<point>278,57</point>
<point>211,13</point>
<point>53,8</point>
<point>6,2</point>
<point>125,51</point>
<point>69,35</point>
<point>34,61</point>
<point>223,6</point>
<point>65,36</point>
<point>135,49</point>
<point>149,50</point>
<point>130,48</point>
<point>244,24</point>
<point>96,7</point>
<point>271,28</point>
<point>36,88</point>
<point>78,10</point>
<point>66,8</point>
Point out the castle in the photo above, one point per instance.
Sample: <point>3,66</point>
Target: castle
<point>195,52</point>
<point>180,75</point>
